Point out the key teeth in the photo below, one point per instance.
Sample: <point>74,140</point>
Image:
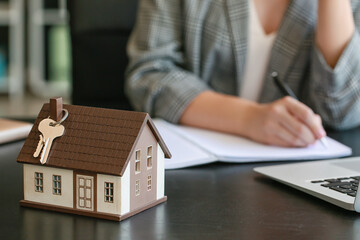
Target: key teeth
<point>40,145</point>
<point>45,152</point>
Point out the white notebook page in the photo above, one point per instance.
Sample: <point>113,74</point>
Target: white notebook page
<point>184,153</point>
<point>233,148</point>
<point>192,146</point>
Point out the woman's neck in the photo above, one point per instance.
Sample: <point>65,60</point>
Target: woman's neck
<point>270,13</point>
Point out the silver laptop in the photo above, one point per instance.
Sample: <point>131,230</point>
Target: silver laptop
<point>335,181</point>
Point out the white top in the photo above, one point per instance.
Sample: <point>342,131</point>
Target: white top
<point>259,49</point>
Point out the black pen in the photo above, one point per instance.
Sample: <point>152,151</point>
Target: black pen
<point>286,90</point>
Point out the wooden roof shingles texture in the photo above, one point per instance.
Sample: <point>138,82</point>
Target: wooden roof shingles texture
<point>95,139</point>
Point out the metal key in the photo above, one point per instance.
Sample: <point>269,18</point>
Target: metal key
<point>49,133</point>
<point>42,126</point>
<point>39,146</point>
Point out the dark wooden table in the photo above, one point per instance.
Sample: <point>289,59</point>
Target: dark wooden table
<point>217,201</point>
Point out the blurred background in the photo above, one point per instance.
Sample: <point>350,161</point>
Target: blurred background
<point>69,48</point>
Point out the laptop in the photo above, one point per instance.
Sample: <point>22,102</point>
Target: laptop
<point>335,181</point>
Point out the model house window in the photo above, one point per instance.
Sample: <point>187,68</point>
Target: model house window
<point>137,161</point>
<point>109,192</point>
<point>39,185</point>
<point>56,184</point>
<point>149,157</point>
<point>149,183</point>
<point>137,187</point>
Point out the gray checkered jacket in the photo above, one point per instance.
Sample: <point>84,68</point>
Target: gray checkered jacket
<point>180,48</point>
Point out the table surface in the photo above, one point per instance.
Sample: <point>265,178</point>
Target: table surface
<point>215,201</point>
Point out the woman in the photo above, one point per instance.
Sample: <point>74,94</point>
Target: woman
<point>208,63</point>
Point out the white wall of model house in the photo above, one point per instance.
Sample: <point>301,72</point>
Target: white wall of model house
<point>121,204</point>
<point>102,205</point>
<point>125,191</point>
<point>65,199</point>
<point>160,173</point>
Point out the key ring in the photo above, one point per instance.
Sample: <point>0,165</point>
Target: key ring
<point>61,120</point>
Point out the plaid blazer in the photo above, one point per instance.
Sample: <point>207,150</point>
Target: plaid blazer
<point>180,48</point>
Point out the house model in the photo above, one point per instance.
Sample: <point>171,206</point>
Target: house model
<point>107,164</point>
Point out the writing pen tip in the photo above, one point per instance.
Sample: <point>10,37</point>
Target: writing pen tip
<point>324,142</point>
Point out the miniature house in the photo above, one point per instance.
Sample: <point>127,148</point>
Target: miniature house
<point>108,164</point>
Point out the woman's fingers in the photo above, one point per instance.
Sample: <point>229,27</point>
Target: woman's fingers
<point>291,140</point>
<point>306,116</point>
<point>297,129</point>
<point>277,134</point>
<point>286,122</point>
<point>283,137</point>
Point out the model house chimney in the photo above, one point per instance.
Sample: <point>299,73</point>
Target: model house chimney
<point>56,107</point>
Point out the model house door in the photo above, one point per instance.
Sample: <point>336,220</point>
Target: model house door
<point>85,192</point>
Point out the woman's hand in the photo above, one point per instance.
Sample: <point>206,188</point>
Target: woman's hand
<point>286,122</point>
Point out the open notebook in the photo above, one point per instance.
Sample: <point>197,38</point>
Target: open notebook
<point>192,146</point>
<point>11,130</point>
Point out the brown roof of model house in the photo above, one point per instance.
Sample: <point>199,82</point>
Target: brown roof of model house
<point>95,139</point>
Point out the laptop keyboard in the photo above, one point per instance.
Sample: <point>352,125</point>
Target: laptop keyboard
<point>346,185</point>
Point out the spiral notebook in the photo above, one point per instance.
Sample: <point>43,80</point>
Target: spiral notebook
<point>193,146</point>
